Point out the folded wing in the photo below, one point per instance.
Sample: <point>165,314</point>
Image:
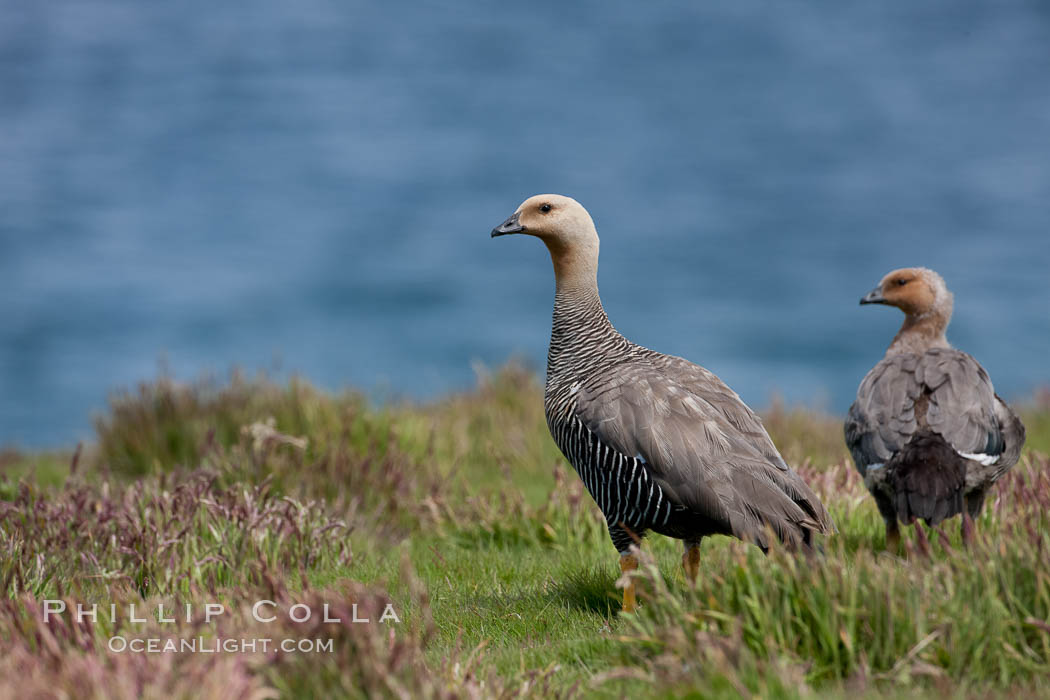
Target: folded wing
<point>944,391</point>
<point>704,446</point>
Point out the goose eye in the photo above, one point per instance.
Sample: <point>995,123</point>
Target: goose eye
<point>545,208</point>
<point>901,283</point>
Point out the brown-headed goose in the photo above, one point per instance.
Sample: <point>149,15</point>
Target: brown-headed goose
<point>927,432</point>
<point>660,443</point>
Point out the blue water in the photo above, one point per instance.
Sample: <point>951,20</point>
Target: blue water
<point>308,187</point>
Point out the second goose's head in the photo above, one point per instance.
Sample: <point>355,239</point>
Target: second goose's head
<point>917,291</point>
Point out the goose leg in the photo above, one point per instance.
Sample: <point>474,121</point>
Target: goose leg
<point>893,536</point>
<point>974,504</point>
<point>889,515</point>
<point>691,560</point>
<point>966,530</point>
<point>628,562</point>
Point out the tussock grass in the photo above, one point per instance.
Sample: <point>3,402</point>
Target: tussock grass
<point>172,534</point>
<point>853,614</point>
<point>463,516</point>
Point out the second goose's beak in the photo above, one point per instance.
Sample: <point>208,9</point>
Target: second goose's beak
<point>872,297</point>
<point>511,225</point>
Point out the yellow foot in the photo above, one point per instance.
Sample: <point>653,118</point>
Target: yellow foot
<point>628,562</point>
<point>691,561</point>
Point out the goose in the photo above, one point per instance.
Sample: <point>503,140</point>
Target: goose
<point>660,443</point>
<point>927,431</point>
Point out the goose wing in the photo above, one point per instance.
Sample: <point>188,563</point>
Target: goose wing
<point>944,390</point>
<point>703,446</point>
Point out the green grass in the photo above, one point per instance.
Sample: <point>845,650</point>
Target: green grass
<point>463,515</point>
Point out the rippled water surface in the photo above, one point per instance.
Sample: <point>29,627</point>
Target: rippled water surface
<point>309,187</point>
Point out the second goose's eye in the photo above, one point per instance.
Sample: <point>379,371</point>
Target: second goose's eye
<point>545,208</point>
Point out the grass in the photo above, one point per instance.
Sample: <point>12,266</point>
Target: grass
<point>463,517</point>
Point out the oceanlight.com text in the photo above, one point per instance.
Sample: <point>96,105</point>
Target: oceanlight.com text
<point>203,645</point>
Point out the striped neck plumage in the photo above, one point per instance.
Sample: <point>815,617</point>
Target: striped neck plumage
<point>580,329</point>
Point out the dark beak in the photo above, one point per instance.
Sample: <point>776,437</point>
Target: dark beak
<point>511,225</point>
<point>873,297</point>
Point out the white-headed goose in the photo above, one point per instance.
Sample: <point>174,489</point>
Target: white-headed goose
<point>660,443</point>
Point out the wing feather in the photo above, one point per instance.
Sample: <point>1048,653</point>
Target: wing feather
<point>703,445</point>
<point>959,402</point>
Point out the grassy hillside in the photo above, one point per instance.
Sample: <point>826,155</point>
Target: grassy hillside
<point>463,517</point>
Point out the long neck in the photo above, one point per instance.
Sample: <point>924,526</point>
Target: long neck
<point>921,332</point>
<point>580,332</point>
